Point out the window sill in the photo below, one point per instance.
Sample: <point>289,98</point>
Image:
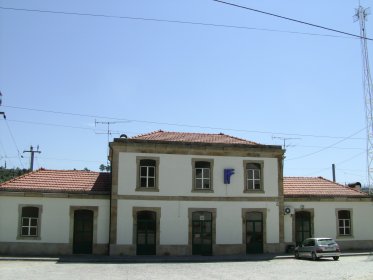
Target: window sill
<point>202,191</point>
<point>142,189</point>
<point>28,238</point>
<point>345,236</point>
<point>254,191</point>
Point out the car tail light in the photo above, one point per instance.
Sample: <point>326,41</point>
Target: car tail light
<point>319,250</point>
<point>337,249</point>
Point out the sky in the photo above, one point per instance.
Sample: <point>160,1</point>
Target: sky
<point>68,68</point>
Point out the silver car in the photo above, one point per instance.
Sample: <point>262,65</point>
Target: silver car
<point>317,248</point>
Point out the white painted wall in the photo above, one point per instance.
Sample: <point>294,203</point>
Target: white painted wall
<point>325,219</point>
<point>175,175</point>
<point>174,220</point>
<point>55,218</point>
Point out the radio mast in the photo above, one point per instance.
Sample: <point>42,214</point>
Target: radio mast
<point>361,16</point>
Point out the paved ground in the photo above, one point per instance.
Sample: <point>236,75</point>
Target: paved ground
<point>358,267</point>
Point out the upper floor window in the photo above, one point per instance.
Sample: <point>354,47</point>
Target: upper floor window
<point>29,221</point>
<point>253,176</point>
<point>202,175</point>
<point>344,222</point>
<point>147,178</point>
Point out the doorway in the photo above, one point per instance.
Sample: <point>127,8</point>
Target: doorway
<point>146,233</point>
<point>302,226</point>
<point>202,233</point>
<point>254,233</point>
<point>83,232</point>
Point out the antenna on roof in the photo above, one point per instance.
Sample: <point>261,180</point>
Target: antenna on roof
<point>285,139</point>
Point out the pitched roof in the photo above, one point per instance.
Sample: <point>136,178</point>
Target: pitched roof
<point>317,187</point>
<point>188,137</point>
<point>60,181</point>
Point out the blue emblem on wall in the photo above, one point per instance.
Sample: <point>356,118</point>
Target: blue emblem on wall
<point>227,175</point>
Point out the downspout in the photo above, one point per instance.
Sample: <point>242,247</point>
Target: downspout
<point>111,195</point>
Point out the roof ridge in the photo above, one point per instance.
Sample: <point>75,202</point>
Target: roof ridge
<point>194,133</point>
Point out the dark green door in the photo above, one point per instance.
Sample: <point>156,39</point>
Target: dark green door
<point>202,233</point>
<point>254,233</point>
<point>302,226</point>
<point>146,233</point>
<point>83,232</point>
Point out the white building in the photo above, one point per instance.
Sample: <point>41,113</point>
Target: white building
<point>179,194</point>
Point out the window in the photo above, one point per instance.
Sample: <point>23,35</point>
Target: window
<point>147,173</point>
<point>344,222</point>
<point>29,222</point>
<point>147,178</point>
<point>253,176</point>
<point>202,175</point>
<point>202,169</point>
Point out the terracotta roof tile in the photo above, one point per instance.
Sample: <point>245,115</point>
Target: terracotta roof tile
<point>60,181</point>
<point>317,187</point>
<point>188,137</point>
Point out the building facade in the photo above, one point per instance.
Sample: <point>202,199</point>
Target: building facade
<point>171,195</point>
<point>175,193</point>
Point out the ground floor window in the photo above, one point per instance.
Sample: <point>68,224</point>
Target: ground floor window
<point>344,222</point>
<point>29,225</point>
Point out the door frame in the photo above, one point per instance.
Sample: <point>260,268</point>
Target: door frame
<point>157,211</point>
<point>190,227</point>
<point>263,211</point>
<point>94,209</point>
<point>312,214</point>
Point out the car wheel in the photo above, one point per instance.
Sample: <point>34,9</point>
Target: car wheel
<point>296,255</point>
<point>336,258</point>
<point>314,257</point>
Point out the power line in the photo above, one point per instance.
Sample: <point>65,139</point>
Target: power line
<point>291,19</point>
<point>337,164</point>
<point>15,144</point>
<point>330,146</point>
<point>113,132</point>
<point>179,124</point>
<point>171,21</point>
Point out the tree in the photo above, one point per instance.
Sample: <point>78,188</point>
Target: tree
<point>104,167</point>
<point>8,174</point>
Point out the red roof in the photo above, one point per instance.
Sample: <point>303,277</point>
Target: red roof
<point>317,187</point>
<point>60,181</point>
<point>219,138</point>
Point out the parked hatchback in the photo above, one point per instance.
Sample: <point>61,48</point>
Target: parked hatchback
<point>317,248</point>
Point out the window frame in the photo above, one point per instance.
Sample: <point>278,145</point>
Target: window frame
<point>246,177</point>
<point>194,175</point>
<point>156,174</point>
<point>344,227</point>
<point>29,226</point>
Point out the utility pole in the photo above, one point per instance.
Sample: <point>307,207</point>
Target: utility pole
<point>361,16</point>
<point>2,113</point>
<point>32,152</point>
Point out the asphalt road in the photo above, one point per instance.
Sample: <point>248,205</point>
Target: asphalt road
<point>354,267</point>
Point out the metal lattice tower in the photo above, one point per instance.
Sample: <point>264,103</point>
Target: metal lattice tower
<point>361,16</point>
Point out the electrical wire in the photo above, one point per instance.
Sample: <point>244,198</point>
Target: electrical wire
<point>337,164</point>
<point>15,144</point>
<point>291,19</point>
<point>178,124</point>
<point>172,21</point>
<point>330,146</point>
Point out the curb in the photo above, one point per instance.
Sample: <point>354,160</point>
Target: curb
<point>160,259</point>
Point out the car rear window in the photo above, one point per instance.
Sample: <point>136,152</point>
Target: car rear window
<point>326,242</point>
